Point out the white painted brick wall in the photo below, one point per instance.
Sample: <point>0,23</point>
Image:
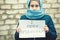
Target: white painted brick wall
<point>5,6</point>
<point>47,6</point>
<point>23,11</point>
<point>13,27</point>
<point>3,32</point>
<point>20,6</point>
<point>2,11</point>
<point>22,1</point>
<point>1,22</point>
<point>4,27</point>
<point>59,1</point>
<point>51,1</point>
<point>1,1</point>
<point>11,1</point>
<point>51,11</point>
<point>10,16</point>
<point>11,11</point>
<point>10,21</point>
<point>17,16</point>
<point>57,15</point>
<point>2,38</point>
<point>55,5</point>
<point>57,25</point>
<point>4,16</point>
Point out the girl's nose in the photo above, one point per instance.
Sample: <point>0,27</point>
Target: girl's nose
<point>34,8</point>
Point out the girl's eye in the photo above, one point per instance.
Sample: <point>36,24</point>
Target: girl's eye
<point>36,5</point>
<point>32,5</point>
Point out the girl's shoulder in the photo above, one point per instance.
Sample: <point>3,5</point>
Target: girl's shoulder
<point>23,17</point>
<point>47,16</point>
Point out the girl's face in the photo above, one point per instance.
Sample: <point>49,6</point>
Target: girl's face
<point>34,5</point>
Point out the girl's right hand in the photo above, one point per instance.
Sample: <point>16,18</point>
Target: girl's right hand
<point>18,29</point>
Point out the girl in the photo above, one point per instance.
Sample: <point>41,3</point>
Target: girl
<point>35,12</point>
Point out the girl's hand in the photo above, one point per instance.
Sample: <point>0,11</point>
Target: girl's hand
<point>18,29</point>
<point>46,28</point>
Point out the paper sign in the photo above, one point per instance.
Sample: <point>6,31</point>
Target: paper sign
<point>31,28</point>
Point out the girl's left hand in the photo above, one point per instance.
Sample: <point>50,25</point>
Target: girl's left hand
<point>46,28</point>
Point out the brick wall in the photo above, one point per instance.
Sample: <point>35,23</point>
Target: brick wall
<point>11,10</point>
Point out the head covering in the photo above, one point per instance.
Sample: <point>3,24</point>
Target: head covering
<point>34,0</point>
<point>35,14</point>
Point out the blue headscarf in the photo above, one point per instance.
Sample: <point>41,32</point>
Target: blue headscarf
<point>35,14</point>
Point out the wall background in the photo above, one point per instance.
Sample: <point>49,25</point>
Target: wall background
<point>11,11</point>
